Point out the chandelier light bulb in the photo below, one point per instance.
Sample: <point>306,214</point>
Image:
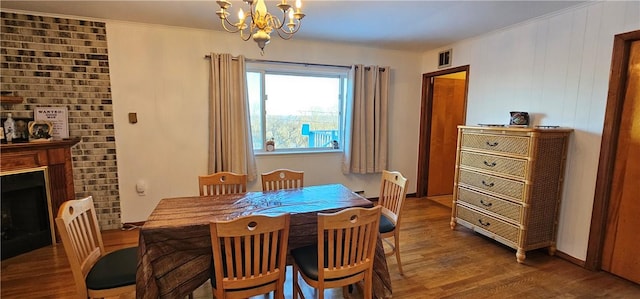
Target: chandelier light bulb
<point>291,24</point>
<point>241,16</point>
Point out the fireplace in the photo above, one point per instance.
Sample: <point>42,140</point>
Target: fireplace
<point>27,220</point>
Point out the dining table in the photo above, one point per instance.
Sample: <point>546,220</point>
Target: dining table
<point>174,252</point>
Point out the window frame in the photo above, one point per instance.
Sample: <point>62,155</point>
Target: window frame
<point>305,70</point>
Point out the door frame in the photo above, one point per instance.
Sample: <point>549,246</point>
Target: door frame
<point>425,123</point>
<point>608,147</point>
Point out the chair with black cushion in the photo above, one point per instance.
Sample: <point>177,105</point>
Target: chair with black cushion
<point>96,274</point>
<point>249,256</point>
<point>282,179</point>
<point>392,195</point>
<point>343,255</point>
<point>222,183</point>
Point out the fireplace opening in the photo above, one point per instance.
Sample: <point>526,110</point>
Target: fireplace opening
<point>26,220</point>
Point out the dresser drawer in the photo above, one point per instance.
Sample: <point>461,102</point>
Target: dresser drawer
<point>488,223</point>
<point>516,145</point>
<point>510,166</point>
<point>500,186</point>
<point>495,205</point>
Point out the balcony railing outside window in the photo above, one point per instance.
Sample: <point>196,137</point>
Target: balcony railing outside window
<point>320,138</point>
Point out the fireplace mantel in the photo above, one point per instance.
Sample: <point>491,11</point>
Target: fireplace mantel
<point>6,147</point>
<point>55,154</point>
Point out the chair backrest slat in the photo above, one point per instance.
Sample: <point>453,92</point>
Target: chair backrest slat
<point>392,194</point>
<point>222,183</point>
<point>350,236</point>
<point>249,251</point>
<point>282,179</point>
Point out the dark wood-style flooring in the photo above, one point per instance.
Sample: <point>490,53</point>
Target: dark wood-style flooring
<point>438,263</point>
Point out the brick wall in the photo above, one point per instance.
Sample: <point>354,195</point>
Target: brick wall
<point>64,63</point>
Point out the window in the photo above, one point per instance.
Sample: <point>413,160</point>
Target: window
<point>298,107</point>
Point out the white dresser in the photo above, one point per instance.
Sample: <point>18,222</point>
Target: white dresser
<point>508,184</point>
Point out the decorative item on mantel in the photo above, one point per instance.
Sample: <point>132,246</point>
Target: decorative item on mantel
<point>261,22</point>
<point>9,128</point>
<point>40,130</point>
<point>19,128</point>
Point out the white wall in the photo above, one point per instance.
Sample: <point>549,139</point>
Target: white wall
<point>161,74</point>
<point>557,69</point>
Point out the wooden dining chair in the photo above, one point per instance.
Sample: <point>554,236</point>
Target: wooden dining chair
<point>222,183</point>
<point>343,255</point>
<point>249,256</point>
<point>96,274</point>
<point>282,179</point>
<point>392,195</point>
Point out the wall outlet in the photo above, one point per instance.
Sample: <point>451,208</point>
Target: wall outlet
<point>141,188</point>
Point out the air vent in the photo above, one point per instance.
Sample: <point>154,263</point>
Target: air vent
<point>444,58</point>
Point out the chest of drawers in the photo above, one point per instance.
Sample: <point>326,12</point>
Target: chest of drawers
<point>508,184</point>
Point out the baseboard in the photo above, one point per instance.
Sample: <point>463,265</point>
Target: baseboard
<point>570,259</point>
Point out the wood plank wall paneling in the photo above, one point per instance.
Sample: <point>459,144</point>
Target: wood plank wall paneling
<point>556,68</point>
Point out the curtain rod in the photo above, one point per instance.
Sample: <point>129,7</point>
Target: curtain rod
<point>287,62</point>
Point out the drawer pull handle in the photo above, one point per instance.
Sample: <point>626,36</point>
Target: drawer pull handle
<point>488,185</point>
<point>492,164</point>
<point>485,204</point>
<point>492,143</point>
<point>484,223</point>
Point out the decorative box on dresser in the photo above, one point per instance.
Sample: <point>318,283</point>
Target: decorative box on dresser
<point>508,184</point>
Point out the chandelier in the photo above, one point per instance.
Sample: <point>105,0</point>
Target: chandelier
<point>260,22</point>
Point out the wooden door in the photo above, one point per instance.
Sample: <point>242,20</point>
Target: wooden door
<point>443,107</point>
<point>446,114</point>
<point>620,250</point>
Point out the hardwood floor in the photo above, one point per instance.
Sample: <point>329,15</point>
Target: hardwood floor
<point>438,263</point>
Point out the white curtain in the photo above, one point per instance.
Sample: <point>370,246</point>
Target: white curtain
<point>230,143</point>
<point>366,119</point>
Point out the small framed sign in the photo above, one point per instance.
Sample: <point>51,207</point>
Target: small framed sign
<point>57,116</point>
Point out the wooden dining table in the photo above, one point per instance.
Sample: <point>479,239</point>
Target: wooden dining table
<point>174,253</point>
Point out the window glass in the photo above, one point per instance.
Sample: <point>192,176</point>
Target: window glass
<point>300,110</point>
<point>254,89</point>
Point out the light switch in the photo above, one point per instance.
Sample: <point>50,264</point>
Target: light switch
<point>133,117</point>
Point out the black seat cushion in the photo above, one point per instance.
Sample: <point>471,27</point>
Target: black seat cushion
<point>307,259</point>
<point>386,225</point>
<point>116,269</point>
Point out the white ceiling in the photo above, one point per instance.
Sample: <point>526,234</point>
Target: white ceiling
<point>417,25</point>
